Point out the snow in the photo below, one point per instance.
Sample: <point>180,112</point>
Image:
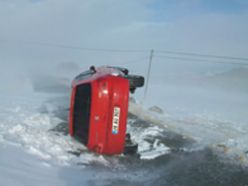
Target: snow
<point>210,108</point>
<point>148,150</point>
<point>24,126</point>
<point>157,150</point>
<point>209,116</point>
<point>22,169</point>
<point>229,139</point>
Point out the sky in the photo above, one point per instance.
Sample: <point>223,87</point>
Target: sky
<point>32,30</point>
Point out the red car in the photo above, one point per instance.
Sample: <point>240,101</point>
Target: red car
<point>99,109</point>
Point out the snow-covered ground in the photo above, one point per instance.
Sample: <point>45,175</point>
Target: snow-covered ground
<point>209,107</point>
<point>189,113</point>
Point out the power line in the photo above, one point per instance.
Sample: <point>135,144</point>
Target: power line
<point>111,50</point>
<point>58,45</point>
<point>203,55</point>
<point>201,60</point>
<point>135,61</point>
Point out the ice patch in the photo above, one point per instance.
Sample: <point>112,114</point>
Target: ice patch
<point>35,151</point>
<point>149,144</point>
<point>85,158</point>
<point>158,149</point>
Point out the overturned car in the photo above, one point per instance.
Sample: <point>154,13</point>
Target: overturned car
<point>99,109</point>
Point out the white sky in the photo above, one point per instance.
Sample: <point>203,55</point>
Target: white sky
<point>188,26</point>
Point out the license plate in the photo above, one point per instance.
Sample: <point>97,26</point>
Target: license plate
<point>116,120</point>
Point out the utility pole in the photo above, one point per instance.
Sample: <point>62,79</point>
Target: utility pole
<point>148,74</point>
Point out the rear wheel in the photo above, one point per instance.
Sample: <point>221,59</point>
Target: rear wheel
<point>131,148</point>
<point>135,81</point>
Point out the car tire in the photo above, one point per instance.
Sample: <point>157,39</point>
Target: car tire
<point>135,81</point>
<point>131,148</point>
